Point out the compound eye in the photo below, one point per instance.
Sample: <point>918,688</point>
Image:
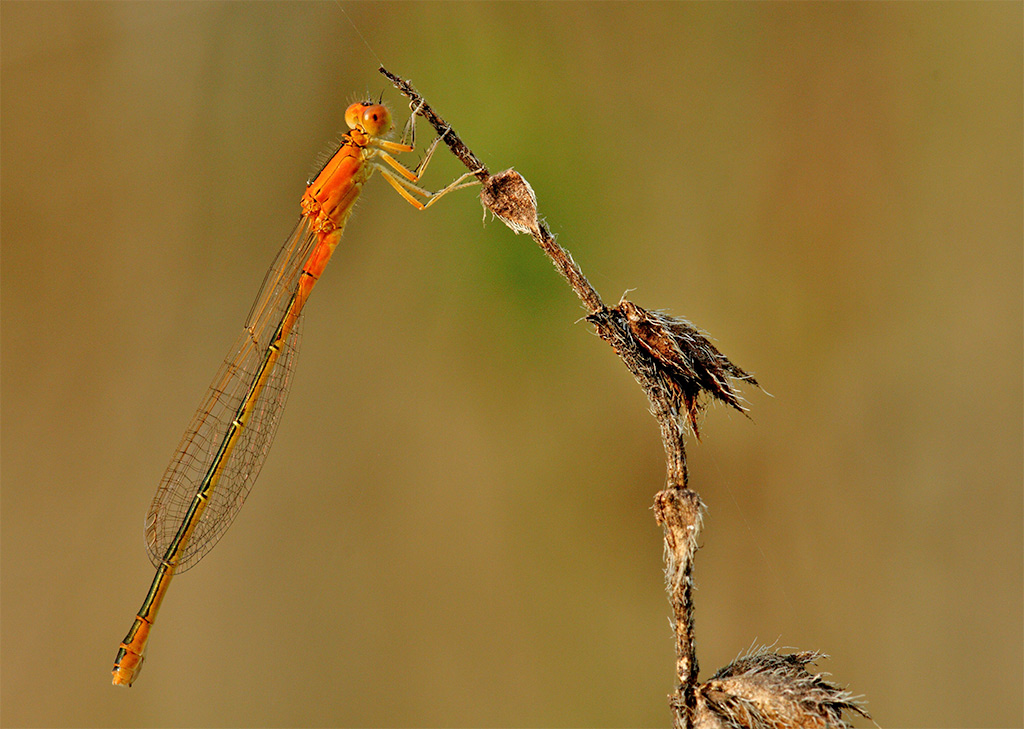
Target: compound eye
<point>375,119</point>
<point>354,115</point>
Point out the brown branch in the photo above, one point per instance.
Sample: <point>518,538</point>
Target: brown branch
<point>680,370</point>
<point>442,128</point>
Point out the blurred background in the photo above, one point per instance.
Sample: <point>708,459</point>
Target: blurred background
<point>453,527</point>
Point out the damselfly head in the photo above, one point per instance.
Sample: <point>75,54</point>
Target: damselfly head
<point>374,119</point>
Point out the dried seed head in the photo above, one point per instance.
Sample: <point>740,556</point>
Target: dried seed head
<point>687,359</point>
<point>509,196</point>
<point>770,690</point>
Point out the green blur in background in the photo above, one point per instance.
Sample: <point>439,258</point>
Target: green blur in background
<point>453,526</point>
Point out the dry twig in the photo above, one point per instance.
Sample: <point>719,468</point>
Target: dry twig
<point>681,371</point>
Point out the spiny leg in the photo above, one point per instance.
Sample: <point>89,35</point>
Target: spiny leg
<point>406,188</point>
<point>409,131</point>
<point>412,175</point>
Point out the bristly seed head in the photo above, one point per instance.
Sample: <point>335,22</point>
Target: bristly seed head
<point>772,690</point>
<point>690,364</point>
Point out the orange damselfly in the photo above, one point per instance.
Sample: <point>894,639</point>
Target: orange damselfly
<point>223,449</point>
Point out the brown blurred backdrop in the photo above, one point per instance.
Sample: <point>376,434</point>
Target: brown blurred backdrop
<point>453,527</point>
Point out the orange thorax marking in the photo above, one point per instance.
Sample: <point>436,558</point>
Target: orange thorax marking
<point>328,200</point>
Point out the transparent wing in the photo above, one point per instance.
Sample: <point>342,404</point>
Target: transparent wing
<point>209,426</point>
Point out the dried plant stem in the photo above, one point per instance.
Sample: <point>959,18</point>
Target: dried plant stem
<point>442,128</point>
<point>680,513</point>
<point>680,370</point>
<point>678,508</point>
<point>501,189</point>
